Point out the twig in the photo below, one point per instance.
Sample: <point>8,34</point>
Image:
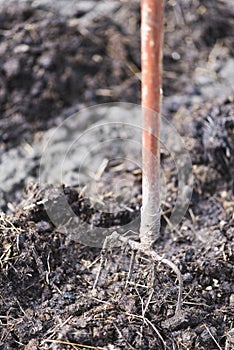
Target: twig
<point>171,225</point>
<point>58,326</point>
<point>124,338</point>
<point>151,324</point>
<point>212,337</point>
<point>157,332</point>
<point>132,261</point>
<point>101,264</point>
<point>138,246</point>
<point>148,302</point>
<point>48,269</point>
<point>72,344</point>
<point>151,61</point>
<point>115,238</point>
<point>155,257</point>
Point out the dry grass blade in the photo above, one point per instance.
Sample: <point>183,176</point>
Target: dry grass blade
<point>72,344</point>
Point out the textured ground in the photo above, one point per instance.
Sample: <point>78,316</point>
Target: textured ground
<point>54,61</point>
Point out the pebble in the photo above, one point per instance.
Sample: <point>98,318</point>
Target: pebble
<point>22,48</point>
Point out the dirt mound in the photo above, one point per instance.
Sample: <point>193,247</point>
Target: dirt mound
<point>50,66</point>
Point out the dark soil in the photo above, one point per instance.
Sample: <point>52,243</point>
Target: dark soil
<point>52,66</point>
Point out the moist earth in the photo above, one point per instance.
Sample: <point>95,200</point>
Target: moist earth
<point>58,59</point>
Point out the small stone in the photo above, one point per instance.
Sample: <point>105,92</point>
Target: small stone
<point>21,48</point>
<point>43,226</point>
<point>231,300</point>
<point>45,60</point>
<point>209,288</point>
<point>176,56</point>
<point>216,282</point>
<point>222,224</point>
<point>11,67</point>
<point>32,345</point>
<point>187,277</point>
<point>47,317</point>
<point>73,22</point>
<point>230,336</point>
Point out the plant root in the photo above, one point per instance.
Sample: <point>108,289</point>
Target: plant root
<point>115,238</point>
